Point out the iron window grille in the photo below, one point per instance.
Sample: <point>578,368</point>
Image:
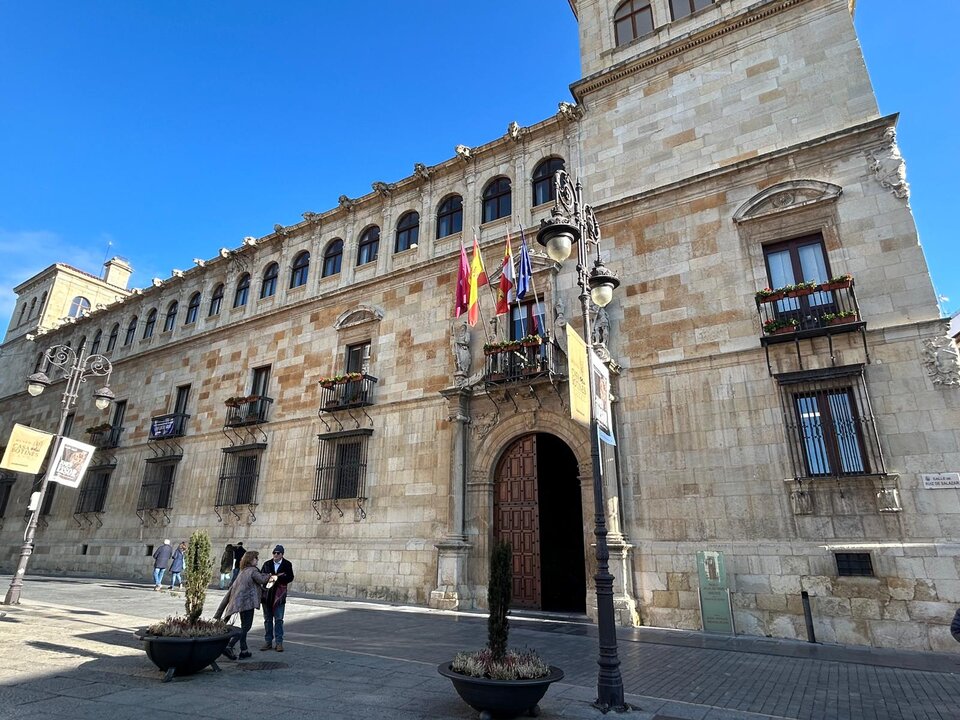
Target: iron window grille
<point>239,473</point>
<point>93,492</point>
<point>342,468</point>
<point>156,491</point>
<point>831,430</point>
<point>854,564</point>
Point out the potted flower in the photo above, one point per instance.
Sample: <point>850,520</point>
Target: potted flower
<point>235,401</point>
<point>801,288</point>
<point>840,318</point>
<point>769,295</point>
<point>778,327</point>
<point>330,381</point>
<point>495,681</point>
<point>837,283</point>
<point>183,645</point>
<point>493,348</point>
<point>531,340</point>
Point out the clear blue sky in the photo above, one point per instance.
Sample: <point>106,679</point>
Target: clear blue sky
<point>162,131</point>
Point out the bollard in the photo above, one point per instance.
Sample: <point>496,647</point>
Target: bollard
<point>808,616</point>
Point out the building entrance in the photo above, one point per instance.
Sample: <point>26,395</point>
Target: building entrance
<point>537,509</point>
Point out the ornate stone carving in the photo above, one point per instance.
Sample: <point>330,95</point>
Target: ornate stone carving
<point>199,262</point>
<point>421,171</point>
<point>310,216</point>
<point>514,131</point>
<point>942,360</point>
<point>157,282</point>
<point>463,152</point>
<point>177,273</point>
<point>483,423</point>
<point>569,112</point>
<point>888,167</point>
<point>786,196</point>
<point>461,354</point>
<point>345,202</point>
<point>357,316</point>
<point>383,189</point>
<point>280,229</point>
<point>559,311</point>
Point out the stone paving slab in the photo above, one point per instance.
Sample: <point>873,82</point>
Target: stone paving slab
<point>69,652</point>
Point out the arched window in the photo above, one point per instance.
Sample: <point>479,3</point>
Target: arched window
<point>408,231</point>
<point>40,358</point>
<point>369,245</point>
<point>496,199</point>
<point>634,19</point>
<point>132,329</point>
<point>23,311</point>
<point>150,324</point>
<point>243,291</point>
<point>95,348</point>
<point>114,334</point>
<point>682,8</point>
<point>193,309</point>
<point>33,307</point>
<point>332,258</point>
<point>82,343</point>
<point>450,216</point>
<point>216,301</point>
<point>79,306</point>
<point>171,319</point>
<point>543,189</point>
<point>300,269</point>
<point>268,286</point>
<point>43,301</point>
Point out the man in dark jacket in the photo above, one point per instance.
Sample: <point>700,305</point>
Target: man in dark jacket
<point>160,559</point>
<point>238,551</point>
<point>275,598</point>
<point>955,626</point>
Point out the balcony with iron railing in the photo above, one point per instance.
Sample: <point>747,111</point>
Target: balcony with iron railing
<point>808,310</point>
<point>164,427</point>
<point>521,361</point>
<point>342,392</point>
<point>105,437</point>
<point>249,410</point>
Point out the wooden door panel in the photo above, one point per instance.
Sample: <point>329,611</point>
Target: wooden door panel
<point>517,520</point>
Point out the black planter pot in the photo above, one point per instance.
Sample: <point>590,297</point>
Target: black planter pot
<point>184,656</point>
<point>501,698</point>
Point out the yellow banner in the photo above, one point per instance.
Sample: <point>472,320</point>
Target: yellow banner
<point>26,450</point>
<point>579,382</point>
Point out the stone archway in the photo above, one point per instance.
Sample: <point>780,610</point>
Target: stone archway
<point>537,508</point>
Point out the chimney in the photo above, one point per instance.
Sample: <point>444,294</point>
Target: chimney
<point>116,272</point>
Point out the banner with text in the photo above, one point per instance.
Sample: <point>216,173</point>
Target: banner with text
<point>71,461</point>
<point>579,382</point>
<point>26,450</point>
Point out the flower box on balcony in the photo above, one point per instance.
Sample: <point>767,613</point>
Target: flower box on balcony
<point>802,288</point>
<point>838,283</point>
<point>333,380</point>
<point>237,401</point>
<point>779,327</point>
<point>501,347</point>
<point>767,295</point>
<point>840,318</point>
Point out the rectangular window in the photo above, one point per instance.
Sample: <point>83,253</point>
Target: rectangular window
<point>795,261</point>
<point>342,465</point>
<point>358,357</point>
<point>68,425</point>
<point>854,564</point>
<point>48,497</point>
<point>183,396</point>
<point>829,422</point>
<point>156,492</point>
<point>6,489</point>
<point>93,492</point>
<point>260,382</point>
<point>239,473</point>
<point>527,319</point>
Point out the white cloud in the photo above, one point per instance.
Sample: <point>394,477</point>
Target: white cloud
<point>27,252</point>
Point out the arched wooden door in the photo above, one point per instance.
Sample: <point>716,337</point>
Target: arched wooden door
<point>517,517</point>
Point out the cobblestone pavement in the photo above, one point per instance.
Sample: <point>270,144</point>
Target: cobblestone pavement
<point>68,651</point>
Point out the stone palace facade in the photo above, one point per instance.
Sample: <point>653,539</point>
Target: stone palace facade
<point>312,387</point>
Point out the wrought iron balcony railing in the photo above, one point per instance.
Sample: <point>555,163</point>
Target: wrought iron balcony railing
<point>522,362</point>
<point>106,439</point>
<point>172,425</point>
<point>252,410</point>
<point>350,392</point>
<point>823,309</point>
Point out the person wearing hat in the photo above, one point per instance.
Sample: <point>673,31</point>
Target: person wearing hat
<point>275,599</point>
<point>160,560</point>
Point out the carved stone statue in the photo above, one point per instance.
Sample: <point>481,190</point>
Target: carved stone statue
<point>559,309</point>
<point>888,167</point>
<point>514,131</point>
<point>461,354</point>
<point>345,202</point>
<point>942,360</point>
<point>569,111</point>
<point>421,171</point>
<point>601,328</point>
<point>463,152</point>
<point>381,188</point>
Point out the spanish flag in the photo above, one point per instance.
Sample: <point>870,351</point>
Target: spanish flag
<point>478,278</point>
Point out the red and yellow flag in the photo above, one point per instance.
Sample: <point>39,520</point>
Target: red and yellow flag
<point>505,293</point>
<point>478,278</point>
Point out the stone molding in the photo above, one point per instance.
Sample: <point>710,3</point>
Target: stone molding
<point>358,316</point>
<point>786,196</point>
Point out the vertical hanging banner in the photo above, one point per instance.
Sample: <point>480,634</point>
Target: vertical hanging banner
<point>26,450</point>
<point>579,382</point>
<point>70,462</point>
<point>601,399</point>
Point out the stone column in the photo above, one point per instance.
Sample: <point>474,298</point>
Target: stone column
<point>452,550</point>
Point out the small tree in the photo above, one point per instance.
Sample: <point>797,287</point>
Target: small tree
<point>199,568</point>
<point>498,599</point>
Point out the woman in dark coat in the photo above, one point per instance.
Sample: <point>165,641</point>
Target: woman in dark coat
<point>226,566</point>
<point>243,598</point>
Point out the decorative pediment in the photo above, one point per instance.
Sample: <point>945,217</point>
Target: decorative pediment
<point>358,316</point>
<point>786,196</point>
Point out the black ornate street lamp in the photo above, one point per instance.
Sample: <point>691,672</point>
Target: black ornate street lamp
<point>76,367</point>
<point>574,223</point>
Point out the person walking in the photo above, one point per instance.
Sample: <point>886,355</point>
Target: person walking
<point>275,598</point>
<point>176,564</point>
<point>238,552</point>
<point>243,598</point>
<point>227,561</point>
<point>955,626</point>
<point>160,559</point>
